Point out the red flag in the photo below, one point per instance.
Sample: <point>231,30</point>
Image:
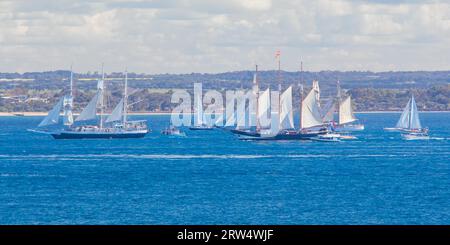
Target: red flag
<point>277,54</point>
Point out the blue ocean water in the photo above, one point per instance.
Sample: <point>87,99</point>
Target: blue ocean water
<point>213,178</point>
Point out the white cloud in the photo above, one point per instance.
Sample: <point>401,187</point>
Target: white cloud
<point>212,36</point>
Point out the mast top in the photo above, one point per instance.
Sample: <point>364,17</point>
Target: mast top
<point>71,81</point>
<point>103,74</point>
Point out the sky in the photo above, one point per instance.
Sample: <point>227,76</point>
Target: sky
<point>209,36</point>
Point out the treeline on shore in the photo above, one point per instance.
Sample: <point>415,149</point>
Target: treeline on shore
<point>371,91</point>
<point>435,98</point>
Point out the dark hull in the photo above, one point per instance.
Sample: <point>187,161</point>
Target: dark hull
<point>201,128</point>
<point>245,133</point>
<point>98,135</point>
<point>297,136</point>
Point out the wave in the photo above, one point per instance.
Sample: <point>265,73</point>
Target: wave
<point>68,157</point>
<point>32,175</point>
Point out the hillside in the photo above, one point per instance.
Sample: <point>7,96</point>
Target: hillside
<point>37,91</point>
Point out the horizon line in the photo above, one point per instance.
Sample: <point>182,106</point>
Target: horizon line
<point>215,73</point>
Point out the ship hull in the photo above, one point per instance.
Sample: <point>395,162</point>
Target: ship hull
<point>296,136</point>
<point>103,135</point>
<point>245,133</point>
<point>201,128</point>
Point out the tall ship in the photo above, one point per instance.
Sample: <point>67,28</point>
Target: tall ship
<point>116,125</point>
<point>310,125</point>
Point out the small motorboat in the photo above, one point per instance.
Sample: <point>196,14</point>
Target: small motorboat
<point>171,130</point>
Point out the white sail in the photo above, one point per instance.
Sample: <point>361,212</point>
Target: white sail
<point>90,111</point>
<point>68,115</point>
<point>242,118</point>
<point>68,103</point>
<point>264,109</point>
<point>414,121</point>
<point>310,112</point>
<point>346,112</point>
<point>315,87</point>
<point>53,115</point>
<point>243,113</point>
<point>328,111</point>
<point>230,115</point>
<point>286,114</point>
<point>403,122</point>
<point>116,114</point>
<point>199,111</point>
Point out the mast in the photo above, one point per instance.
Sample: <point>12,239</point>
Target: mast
<point>102,98</point>
<point>411,106</point>
<point>300,123</point>
<point>71,81</point>
<point>258,124</point>
<point>301,105</point>
<point>301,71</point>
<point>125,99</point>
<point>338,100</point>
<point>279,87</point>
<point>68,102</point>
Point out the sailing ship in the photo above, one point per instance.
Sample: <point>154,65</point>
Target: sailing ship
<point>116,125</point>
<point>346,117</point>
<point>409,123</point>
<point>311,124</point>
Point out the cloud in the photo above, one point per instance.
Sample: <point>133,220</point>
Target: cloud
<point>183,36</point>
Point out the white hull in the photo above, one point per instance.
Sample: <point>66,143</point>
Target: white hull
<point>327,138</point>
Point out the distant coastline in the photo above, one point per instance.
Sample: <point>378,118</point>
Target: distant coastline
<point>39,114</point>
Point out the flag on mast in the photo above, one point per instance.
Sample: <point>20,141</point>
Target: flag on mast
<point>277,54</point>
